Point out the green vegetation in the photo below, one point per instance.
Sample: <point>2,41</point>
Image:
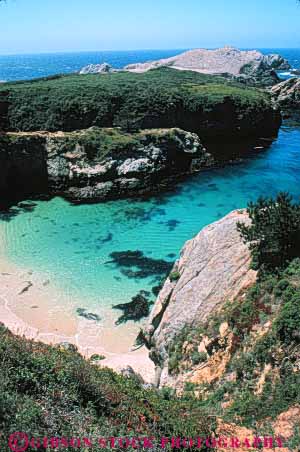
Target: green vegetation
<point>97,143</point>
<point>278,347</point>
<point>264,326</point>
<point>50,391</point>
<point>274,235</point>
<point>159,98</point>
<point>174,276</point>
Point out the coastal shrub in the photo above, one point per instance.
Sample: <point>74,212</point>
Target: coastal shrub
<point>244,365</point>
<point>276,398</point>
<point>281,287</point>
<point>274,233</point>
<point>162,97</point>
<point>287,324</point>
<point>242,315</point>
<point>174,276</point>
<point>198,357</point>
<point>52,392</point>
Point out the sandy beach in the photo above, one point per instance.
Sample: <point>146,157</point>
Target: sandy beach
<point>31,307</point>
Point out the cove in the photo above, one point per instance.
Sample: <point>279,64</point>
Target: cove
<point>75,246</point>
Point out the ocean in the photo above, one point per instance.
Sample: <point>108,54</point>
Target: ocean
<point>25,67</point>
<point>71,246</point>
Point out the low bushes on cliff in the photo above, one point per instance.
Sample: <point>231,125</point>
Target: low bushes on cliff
<point>159,98</point>
<point>265,328</point>
<point>274,235</point>
<point>54,392</point>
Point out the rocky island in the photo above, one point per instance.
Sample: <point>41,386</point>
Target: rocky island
<point>91,137</point>
<point>246,66</point>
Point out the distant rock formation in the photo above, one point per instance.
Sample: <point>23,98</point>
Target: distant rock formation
<point>214,267</point>
<point>246,66</point>
<point>287,93</point>
<point>277,62</point>
<point>103,68</point>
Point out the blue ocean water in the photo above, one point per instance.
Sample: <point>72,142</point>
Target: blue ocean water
<point>72,245</point>
<point>23,67</point>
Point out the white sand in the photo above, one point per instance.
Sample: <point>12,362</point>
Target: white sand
<point>31,307</point>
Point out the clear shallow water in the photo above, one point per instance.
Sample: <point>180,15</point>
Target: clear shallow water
<point>72,244</point>
<point>22,67</point>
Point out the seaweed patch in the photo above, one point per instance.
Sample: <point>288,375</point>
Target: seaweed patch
<point>134,264</point>
<point>136,309</point>
<point>87,315</point>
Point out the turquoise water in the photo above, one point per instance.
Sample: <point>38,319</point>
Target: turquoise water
<point>72,244</point>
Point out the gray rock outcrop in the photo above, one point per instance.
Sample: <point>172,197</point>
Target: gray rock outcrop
<point>75,166</point>
<point>251,66</point>
<point>277,62</point>
<point>214,267</point>
<point>103,68</point>
<point>287,94</point>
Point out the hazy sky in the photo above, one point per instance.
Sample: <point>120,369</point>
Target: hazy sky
<point>65,25</point>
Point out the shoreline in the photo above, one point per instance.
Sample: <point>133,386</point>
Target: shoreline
<point>26,309</point>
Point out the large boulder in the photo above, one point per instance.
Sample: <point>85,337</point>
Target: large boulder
<point>287,93</point>
<point>251,66</point>
<point>214,267</point>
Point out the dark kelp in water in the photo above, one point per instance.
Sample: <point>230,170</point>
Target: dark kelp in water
<point>134,264</point>
<point>136,309</point>
<point>87,315</point>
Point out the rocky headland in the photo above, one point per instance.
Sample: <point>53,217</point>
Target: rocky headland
<point>91,138</point>
<point>250,67</point>
<point>245,66</point>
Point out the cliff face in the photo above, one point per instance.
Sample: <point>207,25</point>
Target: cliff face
<point>97,164</point>
<point>23,167</point>
<point>213,268</point>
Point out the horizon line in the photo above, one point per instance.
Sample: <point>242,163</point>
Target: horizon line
<point>52,52</point>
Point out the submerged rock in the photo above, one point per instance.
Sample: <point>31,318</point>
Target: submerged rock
<point>82,312</point>
<point>214,267</point>
<point>134,264</point>
<point>135,310</point>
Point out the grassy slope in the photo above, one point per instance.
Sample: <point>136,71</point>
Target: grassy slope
<point>152,99</point>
